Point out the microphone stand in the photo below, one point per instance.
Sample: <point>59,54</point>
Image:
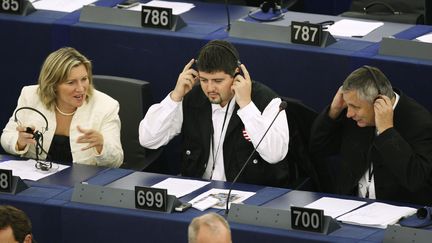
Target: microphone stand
<point>282,107</point>
<point>228,16</point>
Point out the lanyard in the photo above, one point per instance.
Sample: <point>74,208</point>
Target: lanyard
<point>370,170</point>
<point>214,155</point>
<point>370,176</point>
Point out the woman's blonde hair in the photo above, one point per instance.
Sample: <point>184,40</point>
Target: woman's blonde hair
<point>56,69</point>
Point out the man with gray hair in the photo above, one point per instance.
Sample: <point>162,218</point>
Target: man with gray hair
<point>383,138</point>
<point>209,228</point>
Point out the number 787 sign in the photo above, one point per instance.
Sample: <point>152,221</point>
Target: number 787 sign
<point>306,33</point>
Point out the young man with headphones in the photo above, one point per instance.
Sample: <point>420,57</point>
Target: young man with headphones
<point>383,137</point>
<point>222,115</point>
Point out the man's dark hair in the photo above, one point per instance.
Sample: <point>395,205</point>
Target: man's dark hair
<point>217,56</point>
<point>17,220</point>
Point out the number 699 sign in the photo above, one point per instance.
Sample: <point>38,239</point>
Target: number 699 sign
<point>149,198</point>
<point>156,17</point>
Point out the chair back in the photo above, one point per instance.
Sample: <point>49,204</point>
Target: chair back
<point>399,11</point>
<point>135,98</point>
<point>300,119</point>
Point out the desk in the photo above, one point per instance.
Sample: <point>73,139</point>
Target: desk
<point>44,199</point>
<point>57,219</point>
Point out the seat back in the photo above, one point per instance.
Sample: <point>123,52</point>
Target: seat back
<point>428,12</point>
<point>400,11</point>
<point>135,98</point>
<point>300,119</point>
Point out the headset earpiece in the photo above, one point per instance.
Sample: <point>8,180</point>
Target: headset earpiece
<point>423,213</point>
<point>422,218</point>
<point>29,130</point>
<point>267,5</point>
<point>374,79</point>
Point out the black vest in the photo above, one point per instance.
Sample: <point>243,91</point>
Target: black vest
<point>197,129</point>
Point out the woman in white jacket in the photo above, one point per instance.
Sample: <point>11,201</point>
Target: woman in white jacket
<point>83,123</point>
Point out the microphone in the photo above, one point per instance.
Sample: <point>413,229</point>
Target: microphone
<point>38,136</point>
<point>282,107</point>
<point>228,16</point>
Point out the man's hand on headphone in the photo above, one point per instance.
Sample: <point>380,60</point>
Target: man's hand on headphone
<point>338,104</point>
<point>185,82</point>
<point>383,108</point>
<point>242,88</point>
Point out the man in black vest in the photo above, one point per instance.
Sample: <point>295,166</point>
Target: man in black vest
<point>383,137</point>
<point>222,115</point>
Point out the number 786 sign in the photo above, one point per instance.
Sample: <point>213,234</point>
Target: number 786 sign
<point>156,17</point>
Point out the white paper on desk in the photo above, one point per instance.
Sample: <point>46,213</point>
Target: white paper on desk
<point>425,38</point>
<point>180,187</point>
<point>221,195</point>
<point>61,5</point>
<point>177,7</point>
<point>350,28</point>
<point>377,215</point>
<point>335,207</point>
<point>26,169</point>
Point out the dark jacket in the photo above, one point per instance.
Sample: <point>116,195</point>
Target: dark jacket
<point>402,155</point>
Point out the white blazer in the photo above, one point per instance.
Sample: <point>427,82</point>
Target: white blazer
<point>99,113</point>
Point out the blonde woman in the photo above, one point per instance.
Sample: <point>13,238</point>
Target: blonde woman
<point>84,126</point>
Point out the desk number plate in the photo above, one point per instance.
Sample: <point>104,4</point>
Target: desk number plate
<point>149,198</point>
<point>11,6</point>
<point>5,180</point>
<point>156,17</point>
<point>307,219</point>
<point>306,33</point>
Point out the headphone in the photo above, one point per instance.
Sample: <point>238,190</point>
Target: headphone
<point>422,218</point>
<point>227,48</point>
<point>38,136</point>
<point>423,213</point>
<point>224,47</point>
<point>33,109</point>
<point>374,78</point>
<point>265,8</point>
<point>267,5</point>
